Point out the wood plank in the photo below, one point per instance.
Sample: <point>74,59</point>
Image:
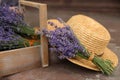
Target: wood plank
<point>31,4</point>
<point>44,42</point>
<point>18,60</point>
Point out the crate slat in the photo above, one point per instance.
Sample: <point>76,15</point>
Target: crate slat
<point>44,42</point>
<point>18,60</point>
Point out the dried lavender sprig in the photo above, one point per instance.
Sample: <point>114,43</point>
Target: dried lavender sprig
<point>63,40</point>
<point>6,33</point>
<point>13,42</point>
<point>9,16</point>
<point>83,49</point>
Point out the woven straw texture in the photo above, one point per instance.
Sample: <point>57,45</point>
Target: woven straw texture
<point>56,22</point>
<point>90,33</point>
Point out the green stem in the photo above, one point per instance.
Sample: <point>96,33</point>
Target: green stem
<point>104,65</point>
<point>25,30</point>
<point>20,43</point>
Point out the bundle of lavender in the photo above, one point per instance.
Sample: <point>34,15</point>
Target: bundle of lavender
<point>15,21</point>
<point>14,32</point>
<point>64,42</point>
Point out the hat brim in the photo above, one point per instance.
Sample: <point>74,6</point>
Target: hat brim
<point>108,54</point>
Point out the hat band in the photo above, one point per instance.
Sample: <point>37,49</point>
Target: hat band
<point>91,57</point>
<point>99,54</point>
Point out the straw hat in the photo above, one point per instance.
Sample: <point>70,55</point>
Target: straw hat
<point>93,36</point>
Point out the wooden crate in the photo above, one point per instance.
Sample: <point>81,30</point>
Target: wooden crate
<point>17,60</point>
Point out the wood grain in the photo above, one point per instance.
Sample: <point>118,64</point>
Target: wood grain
<point>44,42</point>
<point>18,60</point>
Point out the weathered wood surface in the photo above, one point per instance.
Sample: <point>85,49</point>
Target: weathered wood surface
<point>44,42</point>
<point>18,60</point>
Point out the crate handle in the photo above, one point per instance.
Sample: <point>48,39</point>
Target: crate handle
<point>31,4</point>
<point>43,24</point>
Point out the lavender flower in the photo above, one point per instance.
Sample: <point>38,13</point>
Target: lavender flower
<point>15,21</point>
<point>9,16</point>
<point>63,41</point>
<point>9,39</point>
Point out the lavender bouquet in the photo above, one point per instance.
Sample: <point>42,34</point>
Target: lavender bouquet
<point>15,21</point>
<point>14,32</point>
<point>63,42</point>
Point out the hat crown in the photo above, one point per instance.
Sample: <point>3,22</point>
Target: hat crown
<point>90,33</point>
